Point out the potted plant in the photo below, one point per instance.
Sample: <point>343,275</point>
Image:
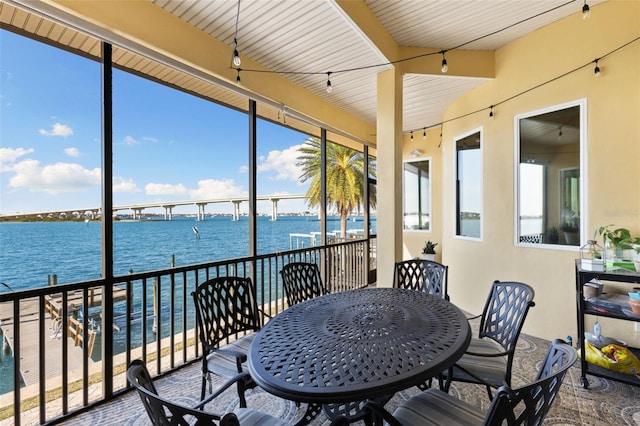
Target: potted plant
<point>616,240</point>
<point>429,250</point>
<point>571,232</point>
<point>619,242</point>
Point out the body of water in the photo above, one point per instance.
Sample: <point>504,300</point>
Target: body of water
<point>32,251</point>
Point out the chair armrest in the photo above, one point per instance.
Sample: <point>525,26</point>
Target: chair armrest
<point>244,377</point>
<point>379,412</point>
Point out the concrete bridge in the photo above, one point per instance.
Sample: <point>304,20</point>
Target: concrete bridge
<point>168,206</point>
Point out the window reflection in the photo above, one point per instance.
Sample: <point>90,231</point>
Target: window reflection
<point>549,177</point>
<point>468,186</point>
<point>417,195</point>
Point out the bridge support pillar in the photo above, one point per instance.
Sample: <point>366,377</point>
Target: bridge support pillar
<point>168,212</point>
<point>236,210</point>
<point>201,211</point>
<point>137,214</point>
<point>274,209</point>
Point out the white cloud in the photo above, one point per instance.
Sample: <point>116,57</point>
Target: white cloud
<point>213,189</point>
<point>57,130</point>
<point>8,157</point>
<point>129,140</point>
<point>72,152</point>
<point>124,185</point>
<point>283,163</point>
<point>55,178</point>
<point>150,139</point>
<point>164,189</point>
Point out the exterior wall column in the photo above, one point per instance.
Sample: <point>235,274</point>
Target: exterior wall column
<point>389,174</point>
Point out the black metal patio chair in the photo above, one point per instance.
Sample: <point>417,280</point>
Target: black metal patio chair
<point>526,405</point>
<point>423,275</point>
<point>163,412</point>
<point>302,281</point>
<point>226,309</point>
<point>489,357</point>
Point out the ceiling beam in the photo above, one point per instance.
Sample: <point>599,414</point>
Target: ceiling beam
<point>362,17</point>
<point>462,63</point>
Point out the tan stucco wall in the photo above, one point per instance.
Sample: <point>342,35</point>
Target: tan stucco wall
<point>612,169</point>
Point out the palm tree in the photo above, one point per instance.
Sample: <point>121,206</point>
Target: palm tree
<point>345,178</point>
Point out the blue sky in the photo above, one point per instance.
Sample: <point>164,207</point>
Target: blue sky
<point>168,146</point>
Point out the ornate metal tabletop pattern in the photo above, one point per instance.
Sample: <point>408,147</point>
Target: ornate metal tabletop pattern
<point>357,345</point>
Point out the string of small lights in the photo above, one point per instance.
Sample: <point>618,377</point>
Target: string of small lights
<point>596,72</point>
<point>443,68</point>
<point>586,13</point>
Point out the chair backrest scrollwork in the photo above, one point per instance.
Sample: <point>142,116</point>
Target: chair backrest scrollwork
<point>301,281</point>
<point>422,275</point>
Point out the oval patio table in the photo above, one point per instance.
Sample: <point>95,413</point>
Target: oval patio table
<point>357,345</point>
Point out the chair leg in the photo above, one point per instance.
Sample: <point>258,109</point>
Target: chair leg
<point>203,387</point>
<point>445,382</point>
<point>489,392</point>
<point>241,389</point>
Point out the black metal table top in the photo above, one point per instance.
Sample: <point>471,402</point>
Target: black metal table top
<point>357,345</point>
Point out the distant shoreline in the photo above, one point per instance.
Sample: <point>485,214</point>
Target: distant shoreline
<point>146,218</point>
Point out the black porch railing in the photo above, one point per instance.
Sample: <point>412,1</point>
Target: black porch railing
<point>66,341</point>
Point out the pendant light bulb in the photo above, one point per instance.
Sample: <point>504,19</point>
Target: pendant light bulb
<point>238,77</point>
<point>424,134</point>
<point>329,86</point>
<point>586,12</point>
<point>411,136</point>
<point>236,58</point>
<point>596,69</point>
<point>444,68</point>
<point>491,111</point>
<point>236,55</point>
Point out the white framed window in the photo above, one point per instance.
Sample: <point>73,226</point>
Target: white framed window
<point>468,185</point>
<point>550,148</point>
<point>416,194</point>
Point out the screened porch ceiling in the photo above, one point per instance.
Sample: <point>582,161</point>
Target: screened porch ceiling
<point>303,40</point>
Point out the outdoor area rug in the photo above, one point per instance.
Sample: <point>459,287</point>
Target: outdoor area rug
<point>606,402</point>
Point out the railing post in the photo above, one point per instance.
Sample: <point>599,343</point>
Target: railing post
<point>154,328</point>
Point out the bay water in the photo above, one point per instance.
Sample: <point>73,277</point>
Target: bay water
<point>30,252</point>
